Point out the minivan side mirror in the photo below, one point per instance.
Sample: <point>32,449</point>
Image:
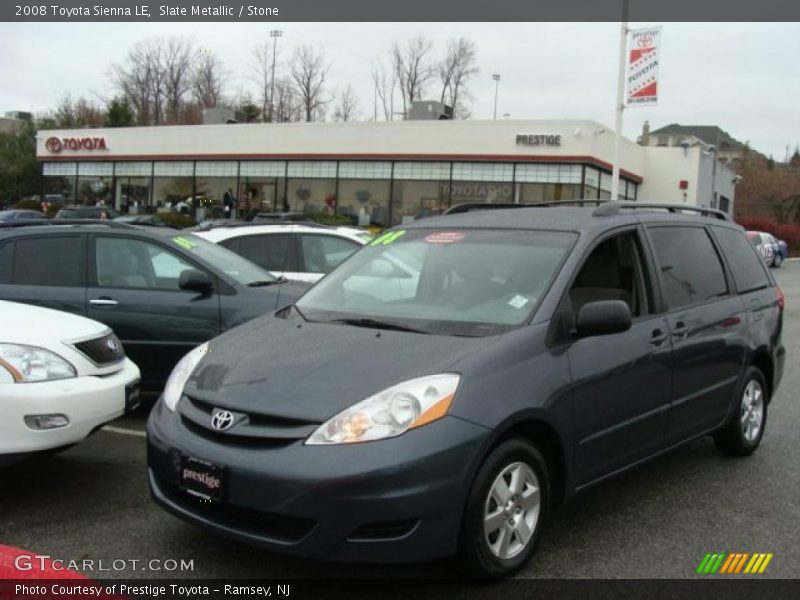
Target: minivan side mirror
<point>602,318</point>
<point>195,281</point>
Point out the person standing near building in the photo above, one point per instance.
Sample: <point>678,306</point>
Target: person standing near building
<point>227,204</point>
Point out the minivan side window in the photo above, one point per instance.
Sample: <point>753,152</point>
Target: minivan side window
<point>6,254</point>
<point>51,260</point>
<point>613,271</point>
<point>688,264</point>
<point>746,264</point>
<point>323,253</point>
<point>128,263</point>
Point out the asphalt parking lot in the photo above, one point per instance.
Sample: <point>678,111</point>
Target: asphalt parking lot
<point>92,503</point>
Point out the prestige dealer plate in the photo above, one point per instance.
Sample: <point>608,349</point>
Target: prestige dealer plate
<point>202,478</point>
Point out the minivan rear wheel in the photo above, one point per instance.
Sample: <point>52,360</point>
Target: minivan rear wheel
<point>746,428</point>
<point>506,508</point>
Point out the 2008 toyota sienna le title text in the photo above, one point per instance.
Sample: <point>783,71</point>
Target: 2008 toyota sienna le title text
<point>459,376</point>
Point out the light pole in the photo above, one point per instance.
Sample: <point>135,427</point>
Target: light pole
<point>274,34</point>
<point>496,78</point>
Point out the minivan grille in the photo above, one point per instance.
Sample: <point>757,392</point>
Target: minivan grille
<point>249,428</point>
<point>102,351</point>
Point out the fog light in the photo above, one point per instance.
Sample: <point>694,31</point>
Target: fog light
<point>46,421</point>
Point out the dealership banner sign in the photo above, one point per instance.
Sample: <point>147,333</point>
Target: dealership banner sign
<point>641,81</point>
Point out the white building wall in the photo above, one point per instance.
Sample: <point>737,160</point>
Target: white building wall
<point>665,168</point>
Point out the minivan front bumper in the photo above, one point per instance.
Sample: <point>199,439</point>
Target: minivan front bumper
<point>394,500</point>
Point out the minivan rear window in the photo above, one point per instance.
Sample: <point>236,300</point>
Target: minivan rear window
<point>688,264</point>
<point>746,264</point>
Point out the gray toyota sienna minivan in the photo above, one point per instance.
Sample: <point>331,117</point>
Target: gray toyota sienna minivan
<point>459,376</point>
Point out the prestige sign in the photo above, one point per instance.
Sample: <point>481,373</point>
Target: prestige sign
<point>56,145</point>
<point>538,139</point>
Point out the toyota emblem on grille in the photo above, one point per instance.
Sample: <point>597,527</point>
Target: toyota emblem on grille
<point>112,345</point>
<point>221,420</point>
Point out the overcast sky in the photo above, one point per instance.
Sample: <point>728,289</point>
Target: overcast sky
<point>744,77</point>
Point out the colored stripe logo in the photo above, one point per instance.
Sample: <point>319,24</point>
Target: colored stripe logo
<point>734,563</point>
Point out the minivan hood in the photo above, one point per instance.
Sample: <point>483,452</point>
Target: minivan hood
<point>311,371</point>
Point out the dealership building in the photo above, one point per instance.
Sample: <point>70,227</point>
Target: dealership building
<point>378,173</point>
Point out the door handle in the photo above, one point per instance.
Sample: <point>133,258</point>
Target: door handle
<point>658,337</point>
<point>103,302</point>
<point>680,329</point>
<point>756,305</point>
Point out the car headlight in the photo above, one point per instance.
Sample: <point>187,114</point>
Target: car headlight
<point>180,375</point>
<point>391,412</point>
<point>31,363</point>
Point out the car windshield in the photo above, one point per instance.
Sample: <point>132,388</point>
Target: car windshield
<point>230,263</point>
<point>449,282</point>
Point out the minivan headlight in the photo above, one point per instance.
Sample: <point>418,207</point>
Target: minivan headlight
<point>180,375</point>
<point>391,412</point>
<point>31,363</point>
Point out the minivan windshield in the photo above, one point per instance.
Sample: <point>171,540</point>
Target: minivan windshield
<point>230,263</point>
<point>470,282</point>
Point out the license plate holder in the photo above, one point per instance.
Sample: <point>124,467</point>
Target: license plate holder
<point>202,478</point>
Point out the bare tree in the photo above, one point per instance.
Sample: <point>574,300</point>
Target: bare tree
<point>136,80</point>
<point>455,70</point>
<point>77,114</point>
<point>208,80</point>
<point>385,83</point>
<point>287,104</point>
<point>262,74</point>
<point>308,69</point>
<point>178,59</point>
<point>412,67</point>
<point>155,79</point>
<point>346,108</point>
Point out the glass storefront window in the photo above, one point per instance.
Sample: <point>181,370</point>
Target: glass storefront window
<point>365,201</point>
<point>311,196</point>
<point>548,192</point>
<point>132,194</point>
<point>484,192</point>
<point>417,199</point>
<point>261,194</point>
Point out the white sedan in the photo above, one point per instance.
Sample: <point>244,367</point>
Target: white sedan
<point>61,377</point>
<point>297,251</point>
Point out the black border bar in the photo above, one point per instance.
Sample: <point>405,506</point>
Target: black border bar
<point>399,10</point>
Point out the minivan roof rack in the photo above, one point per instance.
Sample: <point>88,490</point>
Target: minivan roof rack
<point>45,222</point>
<point>604,208</point>
<point>610,207</point>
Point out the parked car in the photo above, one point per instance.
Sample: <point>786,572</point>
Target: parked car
<point>87,212</point>
<point>142,220</point>
<point>537,351</point>
<point>162,291</point>
<point>299,252</point>
<point>61,377</point>
<point>771,249</point>
<point>18,214</point>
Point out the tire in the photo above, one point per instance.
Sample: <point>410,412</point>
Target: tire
<point>777,261</point>
<point>488,552</point>
<point>742,435</point>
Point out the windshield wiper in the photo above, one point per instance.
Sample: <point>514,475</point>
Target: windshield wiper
<point>266,282</point>
<point>376,324</point>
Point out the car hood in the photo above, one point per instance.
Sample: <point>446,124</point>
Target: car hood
<point>36,326</point>
<point>311,371</point>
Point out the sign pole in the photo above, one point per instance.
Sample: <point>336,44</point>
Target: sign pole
<point>623,42</point>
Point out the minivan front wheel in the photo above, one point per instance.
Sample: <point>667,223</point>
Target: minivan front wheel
<point>505,510</point>
<point>744,432</point>
<point>777,261</point>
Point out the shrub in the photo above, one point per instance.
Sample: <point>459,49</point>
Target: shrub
<point>176,219</point>
<point>326,219</point>
<point>28,205</point>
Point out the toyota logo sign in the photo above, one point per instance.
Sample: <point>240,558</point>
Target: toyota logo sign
<point>112,346</point>
<point>53,144</point>
<point>221,420</point>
